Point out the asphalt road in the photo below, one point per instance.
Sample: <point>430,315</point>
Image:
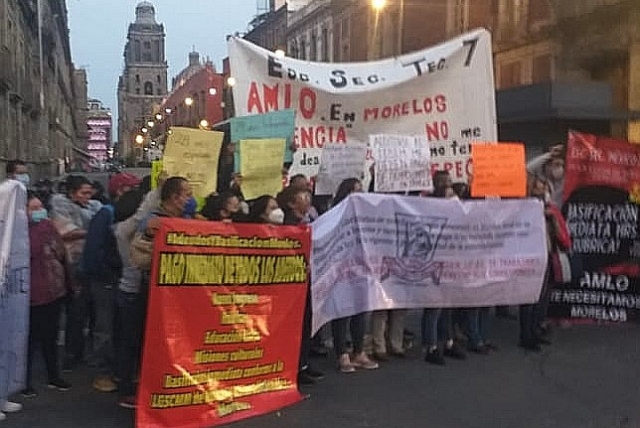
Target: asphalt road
<point>588,378</point>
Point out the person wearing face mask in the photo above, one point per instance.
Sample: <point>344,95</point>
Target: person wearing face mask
<point>551,167</point>
<point>355,324</point>
<point>72,214</point>
<point>102,266</point>
<point>48,287</point>
<point>265,210</point>
<point>17,170</point>
<point>224,207</point>
<point>532,317</point>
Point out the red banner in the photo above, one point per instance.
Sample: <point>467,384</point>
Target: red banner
<point>224,323</point>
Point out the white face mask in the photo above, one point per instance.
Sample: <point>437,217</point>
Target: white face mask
<point>276,216</point>
<point>23,178</point>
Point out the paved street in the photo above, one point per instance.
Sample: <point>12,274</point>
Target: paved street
<point>587,379</point>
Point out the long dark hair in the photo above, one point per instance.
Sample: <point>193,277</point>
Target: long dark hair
<point>257,208</point>
<point>345,189</point>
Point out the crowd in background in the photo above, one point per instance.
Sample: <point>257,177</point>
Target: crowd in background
<point>91,253</point>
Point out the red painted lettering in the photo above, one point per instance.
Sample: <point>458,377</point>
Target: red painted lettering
<point>307,103</point>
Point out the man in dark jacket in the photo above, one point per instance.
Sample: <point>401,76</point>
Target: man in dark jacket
<point>102,266</point>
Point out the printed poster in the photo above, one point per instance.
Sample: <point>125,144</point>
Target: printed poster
<point>193,154</point>
<point>375,251</point>
<point>601,207</point>
<point>261,167</point>
<point>14,287</point>
<point>224,323</point>
<point>402,163</point>
<point>445,94</point>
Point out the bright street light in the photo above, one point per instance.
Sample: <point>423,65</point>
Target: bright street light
<point>150,124</point>
<point>188,101</point>
<point>167,110</point>
<point>378,4</point>
<point>139,139</point>
<point>158,116</point>
<point>231,81</point>
<point>144,130</point>
<point>212,91</point>
<point>279,53</point>
<point>204,123</point>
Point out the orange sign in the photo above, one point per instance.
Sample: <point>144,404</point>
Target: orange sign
<point>224,325</point>
<point>499,170</point>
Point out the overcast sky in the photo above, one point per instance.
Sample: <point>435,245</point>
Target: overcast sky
<point>99,31</point>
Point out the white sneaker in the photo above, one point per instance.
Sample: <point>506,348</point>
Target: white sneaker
<point>363,361</point>
<point>344,364</point>
<point>10,407</point>
<point>2,416</point>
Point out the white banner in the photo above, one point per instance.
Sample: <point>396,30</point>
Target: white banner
<point>444,93</point>
<point>14,287</point>
<point>402,163</point>
<point>375,252</point>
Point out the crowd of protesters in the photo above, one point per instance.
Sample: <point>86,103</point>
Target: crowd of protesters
<point>91,255</point>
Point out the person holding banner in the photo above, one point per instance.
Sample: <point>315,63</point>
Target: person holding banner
<point>298,202</point>
<point>558,239</point>
<point>356,323</point>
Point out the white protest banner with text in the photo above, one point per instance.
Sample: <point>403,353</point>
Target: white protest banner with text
<point>339,162</point>
<point>375,252</point>
<point>14,287</point>
<point>444,93</point>
<point>402,163</point>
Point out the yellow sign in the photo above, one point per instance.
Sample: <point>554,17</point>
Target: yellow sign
<point>156,169</point>
<point>498,170</point>
<point>261,166</point>
<point>193,154</point>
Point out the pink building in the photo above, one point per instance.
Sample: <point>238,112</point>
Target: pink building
<point>99,124</point>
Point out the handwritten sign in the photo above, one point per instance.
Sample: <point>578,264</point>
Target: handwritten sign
<point>156,169</point>
<point>498,170</point>
<point>193,154</point>
<point>402,163</point>
<point>276,124</point>
<point>261,166</point>
<point>339,162</point>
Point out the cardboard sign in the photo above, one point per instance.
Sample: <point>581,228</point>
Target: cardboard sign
<point>261,166</point>
<point>402,163</point>
<point>499,170</point>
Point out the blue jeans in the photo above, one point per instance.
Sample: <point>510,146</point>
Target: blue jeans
<point>103,331</point>
<point>436,326</point>
<point>478,320</point>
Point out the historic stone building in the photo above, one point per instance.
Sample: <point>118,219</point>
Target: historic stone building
<point>143,83</point>
<point>38,87</point>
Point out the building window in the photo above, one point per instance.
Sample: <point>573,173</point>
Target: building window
<point>148,88</point>
<point>159,78</point>
<point>156,51</point>
<point>147,45</point>
<point>137,91</point>
<point>159,91</point>
<point>137,78</point>
<point>325,45</point>
<point>313,47</point>
<point>136,50</point>
<point>303,48</point>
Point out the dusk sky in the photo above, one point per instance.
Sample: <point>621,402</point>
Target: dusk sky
<point>99,32</point>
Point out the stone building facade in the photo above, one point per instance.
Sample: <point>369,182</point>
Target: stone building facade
<point>39,114</point>
<point>143,83</point>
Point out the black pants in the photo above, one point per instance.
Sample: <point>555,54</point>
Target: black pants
<point>305,345</point>
<point>77,312</point>
<point>357,326</point>
<point>43,330</point>
<point>131,319</point>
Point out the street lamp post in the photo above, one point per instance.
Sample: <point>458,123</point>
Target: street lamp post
<point>378,6</point>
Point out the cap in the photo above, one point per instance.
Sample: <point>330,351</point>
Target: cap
<point>121,180</point>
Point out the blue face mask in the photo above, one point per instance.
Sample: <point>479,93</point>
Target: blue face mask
<point>190,207</point>
<point>38,215</point>
<point>24,179</point>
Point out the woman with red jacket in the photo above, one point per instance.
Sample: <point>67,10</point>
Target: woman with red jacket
<point>49,273</point>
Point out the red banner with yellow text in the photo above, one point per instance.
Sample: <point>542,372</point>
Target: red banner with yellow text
<point>224,323</point>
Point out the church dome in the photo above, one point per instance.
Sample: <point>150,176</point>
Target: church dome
<point>145,13</point>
